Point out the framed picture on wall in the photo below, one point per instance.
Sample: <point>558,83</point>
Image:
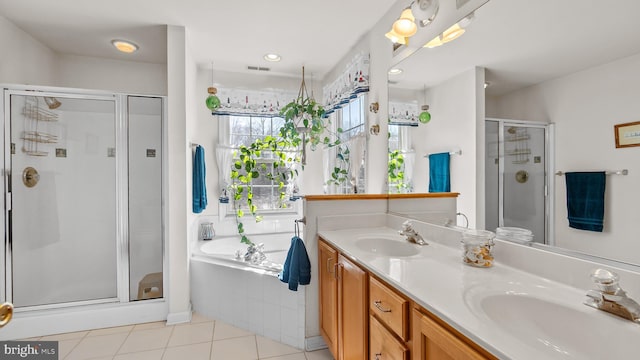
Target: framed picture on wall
<point>627,134</point>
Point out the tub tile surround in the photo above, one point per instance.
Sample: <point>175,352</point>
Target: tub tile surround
<point>441,283</point>
<point>203,338</point>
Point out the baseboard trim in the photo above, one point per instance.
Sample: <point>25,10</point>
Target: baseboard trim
<point>314,343</point>
<point>179,318</point>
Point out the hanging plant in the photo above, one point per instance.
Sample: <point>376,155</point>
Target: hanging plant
<point>305,122</point>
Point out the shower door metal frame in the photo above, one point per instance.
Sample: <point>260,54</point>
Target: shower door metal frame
<point>549,156</point>
<point>120,128</point>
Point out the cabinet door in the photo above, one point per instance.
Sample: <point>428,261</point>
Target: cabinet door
<point>431,341</point>
<point>327,259</point>
<point>352,310</point>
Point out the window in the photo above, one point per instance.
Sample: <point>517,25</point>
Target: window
<point>345,173</point>
<point>244,130</point>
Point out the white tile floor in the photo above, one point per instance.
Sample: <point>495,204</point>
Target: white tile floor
<point>203,338</point>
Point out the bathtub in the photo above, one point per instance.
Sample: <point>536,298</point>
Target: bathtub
<point>245,295</point>
<point>223,251</point>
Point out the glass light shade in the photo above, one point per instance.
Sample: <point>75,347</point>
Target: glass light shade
<point>125,46</point>
<point>452,33</point>
<point>395,38</point>
<point>405,25</point>
<point>435,42</point>
<point>425,10</point>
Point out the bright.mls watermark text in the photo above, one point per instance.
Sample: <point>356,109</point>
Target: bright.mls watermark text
<point>29,350</point>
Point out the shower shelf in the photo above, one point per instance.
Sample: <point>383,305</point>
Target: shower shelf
<point>40,137</point>
<point>518,137</point>
<point>39,114</point>
<point>35,153</point>
<point>519,152</point>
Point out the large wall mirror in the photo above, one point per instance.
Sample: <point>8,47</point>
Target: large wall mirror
<point>559,76</point>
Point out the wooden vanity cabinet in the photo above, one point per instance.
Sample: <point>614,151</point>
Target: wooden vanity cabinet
<point>362,317</point>
<point>433,339</point>
<point>343,305</point>
<point>327,260</point>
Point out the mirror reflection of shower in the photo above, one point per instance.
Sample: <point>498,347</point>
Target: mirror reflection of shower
<point>516,177</point>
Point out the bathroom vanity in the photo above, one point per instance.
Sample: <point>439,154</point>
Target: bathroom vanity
<point>362,314</point>
<point>382,297</point>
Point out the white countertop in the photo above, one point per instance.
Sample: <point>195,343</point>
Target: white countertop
<point>437,279</point>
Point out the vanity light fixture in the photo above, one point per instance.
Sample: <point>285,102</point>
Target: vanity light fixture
<point>125,46</point>
<point>395,71</point>
<point>272,57</point>
<point>405,25</point>
<point>425,11</point>
<point>396,39</point>
<point>452,33</point>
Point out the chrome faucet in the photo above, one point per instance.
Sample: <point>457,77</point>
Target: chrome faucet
<point>411,234</point>
<point>610,297</point>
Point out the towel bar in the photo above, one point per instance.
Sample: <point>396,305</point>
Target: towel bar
<point>617,172</point>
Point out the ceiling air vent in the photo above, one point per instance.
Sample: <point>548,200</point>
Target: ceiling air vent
<point>258,68</point>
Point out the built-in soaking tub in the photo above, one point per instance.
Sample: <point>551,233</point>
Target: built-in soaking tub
<point>248,296</point>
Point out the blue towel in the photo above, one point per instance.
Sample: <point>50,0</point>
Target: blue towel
<point>199,183</point>
<point>585,200</point>
<point>297,267</point>
<point>439,178</point>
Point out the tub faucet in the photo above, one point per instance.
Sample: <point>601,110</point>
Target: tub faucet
<point>610,297</point>
<point>411,234</point>
<point>254,254</point>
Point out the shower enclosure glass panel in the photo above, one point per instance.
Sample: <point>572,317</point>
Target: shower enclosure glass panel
<point>63,191</point>
<point>145,200</point>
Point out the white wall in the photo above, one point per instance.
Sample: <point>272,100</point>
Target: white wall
<point>178,201</point>
<point>24,60</point>
<point>108,74</point>
<point>455,122</point>
<point>585,106</point>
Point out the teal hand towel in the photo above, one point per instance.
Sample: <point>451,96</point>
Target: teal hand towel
<point>585,200</point>
<point>297,267</point>
<point>439,177</point>
<point>199,185</point>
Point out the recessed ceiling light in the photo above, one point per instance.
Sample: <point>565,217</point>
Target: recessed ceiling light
<point>395,71</point>
<point>272,57</point>
<point>125,46</point>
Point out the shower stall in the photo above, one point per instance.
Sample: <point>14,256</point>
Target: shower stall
<point>517,176</point>
<point>83,189</point>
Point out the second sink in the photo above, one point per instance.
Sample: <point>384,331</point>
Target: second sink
<point>386,246</point>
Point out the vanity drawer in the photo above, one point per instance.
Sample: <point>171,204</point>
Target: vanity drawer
<point>389,307</point>
<point>383,345</point>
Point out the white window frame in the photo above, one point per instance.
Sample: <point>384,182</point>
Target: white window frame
<point>226,210</point>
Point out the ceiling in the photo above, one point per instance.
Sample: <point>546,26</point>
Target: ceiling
<point>231,34</point>
<point>526,42</point>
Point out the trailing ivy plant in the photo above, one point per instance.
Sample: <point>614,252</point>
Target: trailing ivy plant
<point>396,171</point>
<point>302,116</point>
<point>340,173</point>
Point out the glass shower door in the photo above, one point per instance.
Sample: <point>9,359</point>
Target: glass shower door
<point>63,218</point>
<point>524,179</point>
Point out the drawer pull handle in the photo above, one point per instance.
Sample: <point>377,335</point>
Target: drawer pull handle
<point>378,355</point>
<point>378,304</point>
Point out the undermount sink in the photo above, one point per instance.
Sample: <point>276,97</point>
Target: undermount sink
<point>559,331</point>
<point>387,246</point>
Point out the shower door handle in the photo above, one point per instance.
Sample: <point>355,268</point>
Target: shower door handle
<point>6,313</point>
